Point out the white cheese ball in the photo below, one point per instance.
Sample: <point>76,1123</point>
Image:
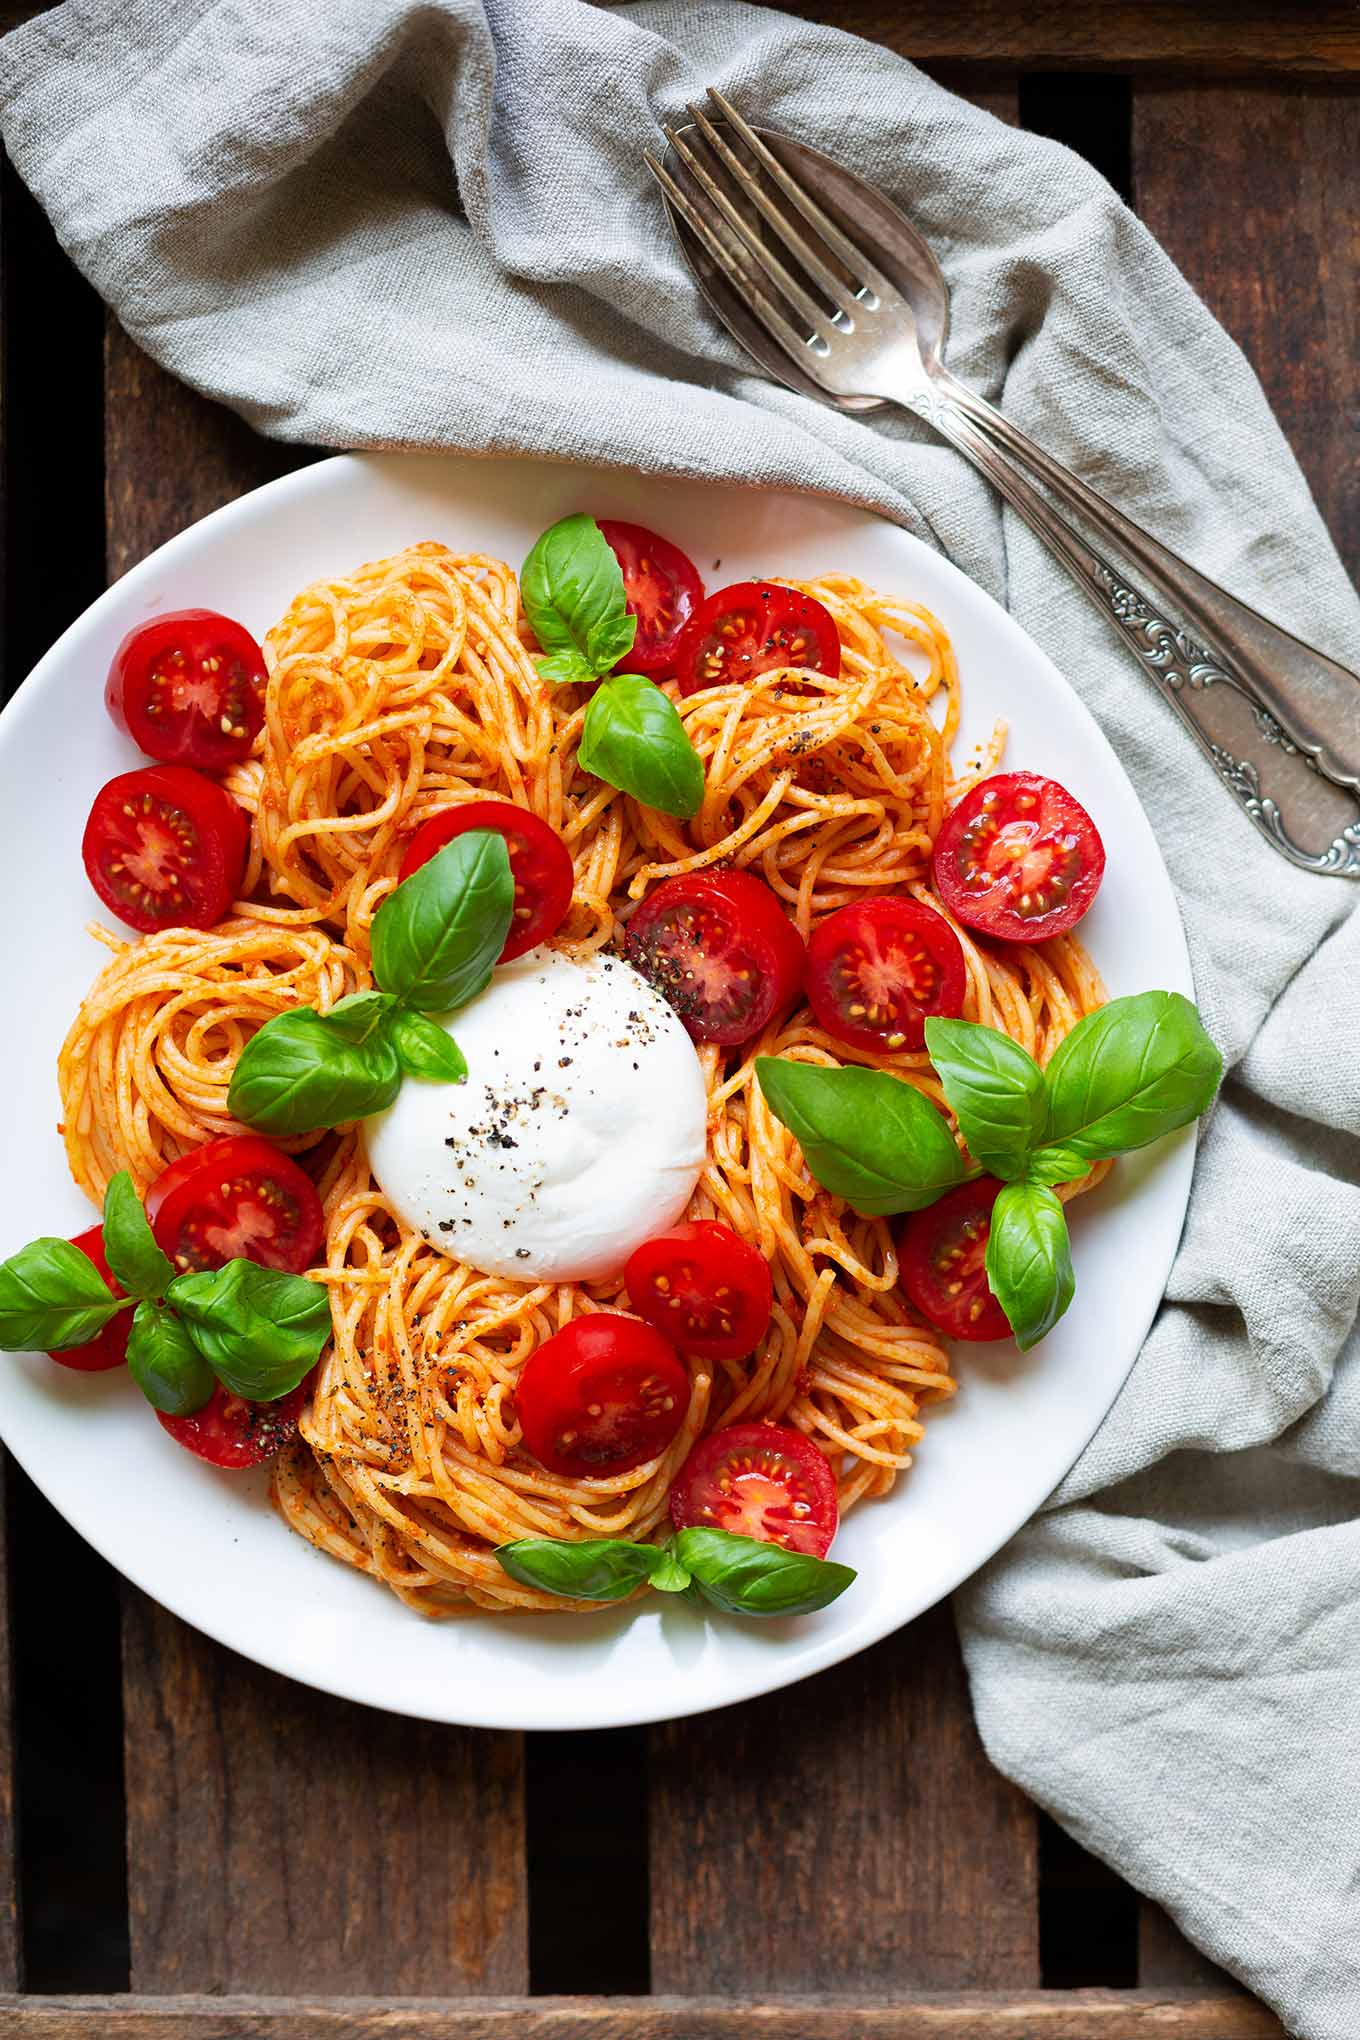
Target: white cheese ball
<point>579,1133</point>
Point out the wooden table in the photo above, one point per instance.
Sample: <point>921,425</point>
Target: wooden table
<point>192,1847</point>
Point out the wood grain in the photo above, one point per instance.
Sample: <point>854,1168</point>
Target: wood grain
<point>1255,192</point>
<point>1064,2015</point>
<point>282,1840</point>
<point>170,456</point>
<point>1197,36</point>
<point>261,1815</point>
<point>847,1834</point>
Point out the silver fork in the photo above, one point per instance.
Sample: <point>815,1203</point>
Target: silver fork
<point>834,292</point>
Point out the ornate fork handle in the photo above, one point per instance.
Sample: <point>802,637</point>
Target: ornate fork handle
<point>1260,703</point>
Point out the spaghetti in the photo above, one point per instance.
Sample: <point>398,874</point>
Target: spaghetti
<point>392,694</point>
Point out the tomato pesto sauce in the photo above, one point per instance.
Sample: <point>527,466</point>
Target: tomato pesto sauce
<point>577,1055</point>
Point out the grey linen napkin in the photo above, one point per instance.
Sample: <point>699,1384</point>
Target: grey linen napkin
<point>425,223</point>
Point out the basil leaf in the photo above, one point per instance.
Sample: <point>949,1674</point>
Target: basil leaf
<point>633,738</point>
<point>437,937</point>
<point>670,1576</point>
<point>300,1072</point>
<point>1056,1165</point>
<point>571,586</point>
<point>52,1297</point>
<point>165,1363</point>
<point>424,1049</point>
<point>567,669</point>
<point>748,1577</point>
<point>1128,1074</point>
<point>259,1329</point>
<point>866,1136</point>
<point>358,1017</point>
<point>996,1090</point>
<point>595,1569</point>
<point>1029,1260</point>
<point>129,1243</point>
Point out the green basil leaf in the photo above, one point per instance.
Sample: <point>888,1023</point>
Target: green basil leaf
<point>595,1569</point>
<point>300,1072</point>
<point>567,669</point>
<point>1029,1260</point>
<point>633,738</point>
<point>1056,1165</point>
<point>866,1136</point>
<point>165,1363</point>
<point>129,1243</point>
<point>610,640</point>
<point>571,586</point>
<point>748,1577</point>
<point>1128,1074</point>
<point>259,1329</point>
<point>995,1089</point>
<point>358,1017</point>
<point>425,1049</point>
<point>52,1297</point>
<point>670,1576</point>
<point>438,936</point>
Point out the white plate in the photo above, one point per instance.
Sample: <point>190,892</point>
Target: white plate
<point>206,1544</point>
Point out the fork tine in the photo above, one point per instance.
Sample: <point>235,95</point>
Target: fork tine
<point>854,258</point>
<point>730,257</point>
<point>836,287</point>
<point>764,258</point>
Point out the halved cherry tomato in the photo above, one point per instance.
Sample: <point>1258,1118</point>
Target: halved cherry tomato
<point>600,1396</point>
<point>877,969</point>
<point>1019,858</point>
<point>238,1198</point>
<point>942,1263</point>
<point>165,848</point>
<point>662,589</point>
<point>108,1348</point>
<point>751,628</point>
<point>540,864</point>
<point>189,689</point>
<point>759,1480</point>
<point>721,949</point>
<point>230,1432</point>
<point>703,1288</point>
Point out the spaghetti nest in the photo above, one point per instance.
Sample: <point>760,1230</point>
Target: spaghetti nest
<point>404,689</point>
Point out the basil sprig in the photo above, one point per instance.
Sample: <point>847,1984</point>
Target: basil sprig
<point>1127,1075</point>
<point>743,1575</point>
<point>571,586</point>
<point>436,939</point>
<point>256,1330</point>
<point>633,738</point>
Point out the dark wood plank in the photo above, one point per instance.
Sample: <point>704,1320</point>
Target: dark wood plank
<point>1054,2015</point>
<point>873,1844</point>
<point>848,1834</point>
<point>261,1816</point>
<point>1167,1961</point>
<point>1196,36</point>
<point>1255,191</point>
<point>170,456</point>
<point>280,1840</point>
